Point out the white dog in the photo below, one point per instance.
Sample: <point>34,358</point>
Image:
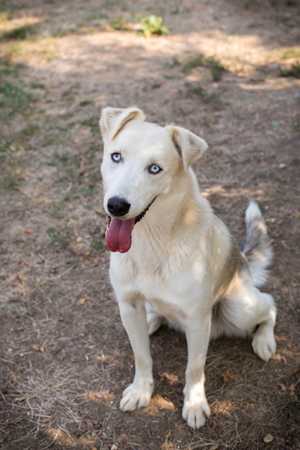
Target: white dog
<point>172,255</point>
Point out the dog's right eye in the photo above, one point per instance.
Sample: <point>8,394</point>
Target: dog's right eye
<point>116,157</point>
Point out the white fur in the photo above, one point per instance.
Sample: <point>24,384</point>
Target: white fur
<point>178,259</point>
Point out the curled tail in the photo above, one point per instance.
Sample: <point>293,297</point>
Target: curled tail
<point>256,244</point>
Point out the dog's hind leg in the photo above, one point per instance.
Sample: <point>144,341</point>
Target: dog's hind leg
<point>239,314</point>
<point>154,320</point>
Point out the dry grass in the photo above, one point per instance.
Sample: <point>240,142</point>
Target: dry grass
<point>65,355</point>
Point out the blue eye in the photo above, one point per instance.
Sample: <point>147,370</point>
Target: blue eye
<point>116,157</point>
<point>154,169</point>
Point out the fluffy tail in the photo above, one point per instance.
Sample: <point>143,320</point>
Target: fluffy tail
<point>256,244</point>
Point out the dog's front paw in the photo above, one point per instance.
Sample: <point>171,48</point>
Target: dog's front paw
<point>136,396</point>
<point>264,344</point>
<point>195,411</point>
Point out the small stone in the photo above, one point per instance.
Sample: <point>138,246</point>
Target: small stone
<point>268,438</point>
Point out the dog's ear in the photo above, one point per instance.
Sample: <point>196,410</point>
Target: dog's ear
<point>113,120</point>
<point>189,146</point>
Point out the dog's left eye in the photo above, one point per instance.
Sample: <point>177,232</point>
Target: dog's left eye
<point>154,169</point>
<point>116,157</point>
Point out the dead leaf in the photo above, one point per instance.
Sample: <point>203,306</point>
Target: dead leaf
<point>19,399</point>
<point>78,240</point>
<point>281,386</point>
<point>40,349</point>
<point>88,253</point>
<point>289,346</point>
<point>86,261</point>
<point>295,370</point>
<point>102,259</point>
<point>29,231</point>
<point>101,393</point>
<point>82,301</point>
<point>46,200</point>
<point>23,263</point>
<point>114,447</point>
<point>96,262</point>
<point>268,438</point>
<point>17,188</point>
<point>227,377</point>
<point>214,447</point>
<point>283,359</point>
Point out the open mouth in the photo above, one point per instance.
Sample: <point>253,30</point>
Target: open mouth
<point>118,235</point>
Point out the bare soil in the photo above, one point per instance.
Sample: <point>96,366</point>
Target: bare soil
<point>65,357</point>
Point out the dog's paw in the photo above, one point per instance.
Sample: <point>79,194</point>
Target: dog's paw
<point>136,396</point>
<point>154,321</point>
<point>264,344</point>
<point>195,411</point>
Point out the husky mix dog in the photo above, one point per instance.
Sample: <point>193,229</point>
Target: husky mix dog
<point>172,258</point>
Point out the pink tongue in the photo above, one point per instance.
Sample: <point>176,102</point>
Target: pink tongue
<point>118,236</point>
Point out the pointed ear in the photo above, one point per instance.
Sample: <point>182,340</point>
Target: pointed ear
<point>189,146</point>
<point>113,120</point>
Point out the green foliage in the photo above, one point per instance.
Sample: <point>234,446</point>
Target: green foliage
<point>293,71</point>
<point>8,181</point>
<point>214,65</point>
<point>57,239</point>
<point>152,25</point>
<point>207,98</point>
<point>292,52</point>
<point>117,22</point>
<point>14,97</point>
<point>20,33</point>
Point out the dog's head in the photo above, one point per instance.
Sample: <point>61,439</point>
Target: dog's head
<point>139,163</point>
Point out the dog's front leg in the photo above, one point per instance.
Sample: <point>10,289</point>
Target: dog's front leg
<point>195,408</point>
<point>133,314</point>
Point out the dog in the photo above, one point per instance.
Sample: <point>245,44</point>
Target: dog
<point>172,258</point>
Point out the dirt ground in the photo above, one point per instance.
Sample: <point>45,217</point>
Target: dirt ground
<point>65,357</point>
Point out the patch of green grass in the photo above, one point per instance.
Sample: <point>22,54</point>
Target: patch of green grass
<point>93,123</point>
<point>57,213</point>
<point>293,71</point>
<point>207,98</point>
<point>35,85</point>
<point>14,97</point>
<point>28,131</point>
<point>193,62</point>
<point>19,34</point>
<point>292,52</point>
<point>93,179</point>
<point>214,65</point>
<point>117,23</point>
<point>64,30</point>
<point>10,69</point>
<point>8,181</point>
<point>152,25</point>
<point>180,10</point>
<point>58,239</point>
<point>85,102</point>
<point>96,13</point>
<point>111,4</point>
<point>98,241</point>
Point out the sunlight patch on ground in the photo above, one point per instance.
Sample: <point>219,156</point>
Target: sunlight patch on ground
<point>219,190</point>
<point>9,25</point>
<point>271,85</point>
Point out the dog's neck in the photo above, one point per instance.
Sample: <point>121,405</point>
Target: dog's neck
<point>176,217</point>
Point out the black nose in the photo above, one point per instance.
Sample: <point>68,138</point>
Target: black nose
<point>118,206</point>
